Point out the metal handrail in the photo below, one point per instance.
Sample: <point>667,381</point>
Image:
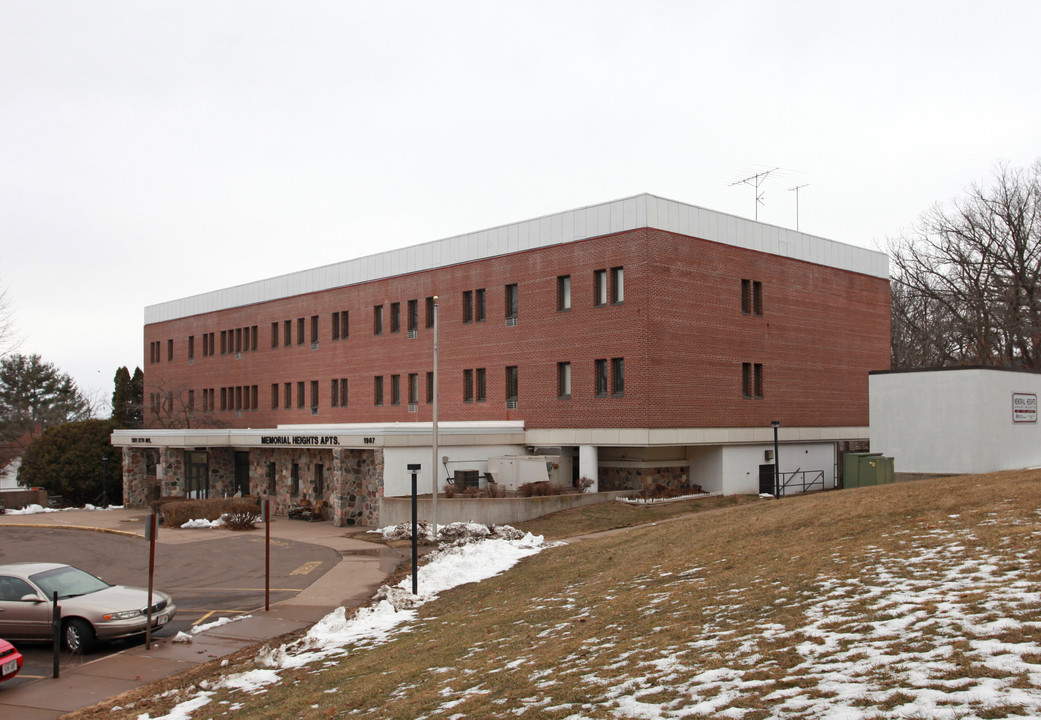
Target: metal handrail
<point>816,478</point>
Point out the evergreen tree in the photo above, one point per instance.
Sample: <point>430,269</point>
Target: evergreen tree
<point>127,398</point>
<point>35,395</point>
<point>67,460</point>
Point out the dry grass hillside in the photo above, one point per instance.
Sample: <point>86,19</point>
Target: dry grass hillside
<point>917,600</point>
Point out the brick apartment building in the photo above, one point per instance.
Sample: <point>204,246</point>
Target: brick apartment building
<point>640,340</point>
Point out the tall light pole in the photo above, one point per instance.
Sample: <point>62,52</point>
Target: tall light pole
<point>104,480</point>
<point>777,462</point>
<point>433,428</point>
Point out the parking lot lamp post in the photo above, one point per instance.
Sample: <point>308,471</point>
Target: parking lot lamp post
<point>433,431</point>
<point>104,481</point>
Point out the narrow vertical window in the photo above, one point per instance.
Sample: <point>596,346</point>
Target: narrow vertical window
<point>757,380</point>
<point>395,389</point>
<point>223,342</point>
<point>413,388</point>
<point>274,396</point>
<point>468,306</point>
<point>343,392</point>
<point>617,376</point>
<point>512,301</point>
<point>191,347</point>
<point>599,287</point>
<point>287,333</point>
<point>757,298</point>
<point>482,385</point>
<point>300,394</point>
<point>600,377</point>
<point>617,285</point>
<point>479,305</point>
<point>299,331</point>
<point>271,478</point>
<point>752,380</point>
<point>288,387</point>
<point>746,297</point>
<point>511,383</point>
<point>377,390</point>
<point>274,334</point>
<point>564,380</point>
<point>314,330</point>
<point>468,385</point>
<point>294,476</point>
<point>238,397</point>
<point>377,320</point>
<point>253,339</point>
<point>319,481</point>
<point>395,317</point>
<point>413,316</point>
<point>314,394</point>
<point>430,312</point>
<point>344,325</point>
<point>169,349</point>
<point>254,395</point>
<point>335,327</point>
<point>191,401</point>
<point>334,393</point>
<point>430,387</point>
<point>564,292</point>
<point>238,339</point>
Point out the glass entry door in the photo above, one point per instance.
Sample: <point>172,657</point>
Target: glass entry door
<point>197,483</point>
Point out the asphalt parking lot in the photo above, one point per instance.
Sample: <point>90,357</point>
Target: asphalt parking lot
<point>209,578</point>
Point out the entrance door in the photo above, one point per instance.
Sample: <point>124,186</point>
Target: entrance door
<point>197,483</point>
<point>242,473</point>
<point>766,479</point>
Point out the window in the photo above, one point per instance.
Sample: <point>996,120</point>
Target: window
<point>169,349</point>
<point>395,317</point>
<point>314,330</point>
<point>274,396</point>
<point>338,392</point>
<point>238,339</point>
<point>191,348</point>
<point>599,287</point>
<point>238,397</point>
<point>339,326</point>
<point>511,301</point>
<point>191,401</point>
<point>295,477</point>
<point>274,334</point>
<point>377,320</point>
<point>430,387</point>
<point>511,383</point>
<point>223,342</point>
<point>395,389</point>
<point>600,377</point>
<point>343,392</point>
<point>563,380</point>
<point>314,394</point>
<point>752,380</point>
<point>377,390</point>
<point>288,387</point>
<point>271,478</point>
<point>413,316</point>
<point>300,394</point>
<point>482,385</point>
<point>468,306</point>
<point>564,292</point>
<point>430,312</point>
<point>287,333</point>
<point>617,376</point>
<point>479,305</point>
<point>617,285</point>
<point>413,388</point>
<point>319,480</point>
<point>254,396</point>
<point>299,331</point>
<point>751,297</point>
<point>253,339</point>
<point>468,385</point>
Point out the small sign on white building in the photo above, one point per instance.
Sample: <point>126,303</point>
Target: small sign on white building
<point>1024,407</point>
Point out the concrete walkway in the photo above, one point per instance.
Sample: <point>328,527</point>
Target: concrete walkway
<point>350,583</point>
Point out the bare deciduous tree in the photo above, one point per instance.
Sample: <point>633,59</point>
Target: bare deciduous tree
<point>9,341</point>
<point>967,279</point>
<point>176,407</point>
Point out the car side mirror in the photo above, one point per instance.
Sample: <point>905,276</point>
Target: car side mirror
<point>32,598</point>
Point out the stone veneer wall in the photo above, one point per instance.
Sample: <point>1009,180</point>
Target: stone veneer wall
<point>222,472</point>
<point>629,478</point>
<point>283,458</point>
<point>137,483</point>
<point>171,471</point>
<point>357,488</point>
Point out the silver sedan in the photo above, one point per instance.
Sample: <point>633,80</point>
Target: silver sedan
<point>91,609</point>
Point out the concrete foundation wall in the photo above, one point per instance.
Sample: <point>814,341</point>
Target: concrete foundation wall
<point>501,511</point>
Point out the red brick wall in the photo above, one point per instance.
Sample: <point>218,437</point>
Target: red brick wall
<point>680,330</point>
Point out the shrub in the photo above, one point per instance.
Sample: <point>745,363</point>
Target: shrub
<point>239,511</point>
<point>584,484</point>
<point>541,488</point>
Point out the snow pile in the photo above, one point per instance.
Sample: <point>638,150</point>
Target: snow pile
<point>32,509</point>
<point>457,532</point>
<point>476,553</point>
<point>202,523</point>
<point>218,623</point>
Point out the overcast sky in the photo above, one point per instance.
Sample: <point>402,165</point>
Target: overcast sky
<point>154,150</point>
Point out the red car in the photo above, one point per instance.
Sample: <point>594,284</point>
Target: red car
<point>10,660</point>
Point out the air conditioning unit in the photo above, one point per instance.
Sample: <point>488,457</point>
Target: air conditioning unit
<point>314,411</point>
<point>511,404</point>
<point>314,346</point>
<point>413,334</point>
<point>511,322</point>
<point>413,407</point>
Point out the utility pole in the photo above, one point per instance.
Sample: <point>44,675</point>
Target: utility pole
<point>433,428</point>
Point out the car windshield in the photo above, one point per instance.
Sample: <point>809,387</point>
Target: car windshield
<point>67,582</point>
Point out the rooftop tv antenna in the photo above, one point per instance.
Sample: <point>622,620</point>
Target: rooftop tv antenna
<point>755,181</point>
<point>796,189</point>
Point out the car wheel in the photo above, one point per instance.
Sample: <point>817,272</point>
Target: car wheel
<point>77,636</point>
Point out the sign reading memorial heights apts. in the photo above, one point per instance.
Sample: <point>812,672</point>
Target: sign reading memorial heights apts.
<point>1024,407</point>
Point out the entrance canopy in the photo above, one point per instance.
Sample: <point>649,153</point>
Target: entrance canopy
<point>346,435</point>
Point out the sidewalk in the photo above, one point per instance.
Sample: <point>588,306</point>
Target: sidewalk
<point>363,568</point>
